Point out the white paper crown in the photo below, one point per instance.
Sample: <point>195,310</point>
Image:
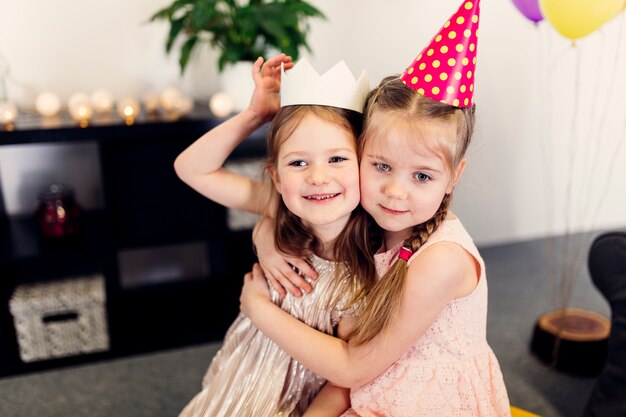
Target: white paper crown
<point>302,85</point>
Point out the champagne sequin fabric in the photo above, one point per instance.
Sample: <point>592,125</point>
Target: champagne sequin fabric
<point>251,376</point>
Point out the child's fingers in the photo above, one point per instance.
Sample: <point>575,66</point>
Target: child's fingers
<point>262,272</point>
<point>247,282</point>
<point>284,275</point>
<point>293,283</point>
<point>276,70</point>
<point>276,60</point>
<point>288,64</point>
<point>304,267</point>
<point>276,285</point>
<point>273,65</point>
<point>258,275</point>
<point>257,69</point>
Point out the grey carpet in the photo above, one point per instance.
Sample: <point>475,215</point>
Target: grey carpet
<point>149,385</point>
<point>520,289</point>
<point>160,384</point>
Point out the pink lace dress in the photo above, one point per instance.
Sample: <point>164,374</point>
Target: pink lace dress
<point>450,370</point>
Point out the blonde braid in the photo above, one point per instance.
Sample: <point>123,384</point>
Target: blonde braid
<point>422,232</point>
<point>379,306</point>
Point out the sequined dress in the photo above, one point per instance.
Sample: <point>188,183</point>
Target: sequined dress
<point>251,376</point>
<point>450,370</point>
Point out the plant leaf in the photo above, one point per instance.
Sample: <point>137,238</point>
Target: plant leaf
<point>247,21</point>
<point>166,13</point>
<point>204,14</point>
<point>175,27</point>
<point>232,55</point>
<point>307,9</point>
<point>185,52</point>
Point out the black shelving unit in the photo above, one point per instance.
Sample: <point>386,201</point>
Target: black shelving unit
<point>146,208</point>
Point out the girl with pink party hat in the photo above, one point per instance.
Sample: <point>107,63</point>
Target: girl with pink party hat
<point>419,346</point>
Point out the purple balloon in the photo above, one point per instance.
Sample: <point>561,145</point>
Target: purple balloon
<point>530,9</point>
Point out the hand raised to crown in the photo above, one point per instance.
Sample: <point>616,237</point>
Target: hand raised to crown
<point>265,100</point>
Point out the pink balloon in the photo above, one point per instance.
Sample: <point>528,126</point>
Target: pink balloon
<point>530,9</point>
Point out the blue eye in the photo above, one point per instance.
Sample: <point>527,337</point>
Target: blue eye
<point>298,163</point>
<point>382,167</point>
<point>336,159</point>
<point>421,177</point>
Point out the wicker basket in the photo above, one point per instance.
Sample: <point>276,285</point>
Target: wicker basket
<point>60,318</point>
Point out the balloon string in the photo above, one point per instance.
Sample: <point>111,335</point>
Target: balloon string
<point>546,74</point>
<point>588,224</point>
<point>614,155</point>
<point>590,153</point>
<point>620,139</point>
<point>560,55</point>
<point>567,259</point>
<point>560,263</point>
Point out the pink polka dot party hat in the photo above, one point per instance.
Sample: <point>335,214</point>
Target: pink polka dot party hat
<point>444,70</point>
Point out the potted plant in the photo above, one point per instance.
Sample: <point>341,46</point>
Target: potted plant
<point>242,30</point>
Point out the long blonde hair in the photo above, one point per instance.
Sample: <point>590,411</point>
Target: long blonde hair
<point>294,237</point>
<point>379,304</point>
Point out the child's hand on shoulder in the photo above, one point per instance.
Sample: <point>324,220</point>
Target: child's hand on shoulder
<point>277,266</point>
<point>265,100</point>
<point>254,291</point>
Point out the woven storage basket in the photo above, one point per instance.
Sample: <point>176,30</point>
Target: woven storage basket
<point>60,318</point>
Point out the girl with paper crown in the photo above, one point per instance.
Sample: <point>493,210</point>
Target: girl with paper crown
<point>313,196</point>
<point>419,345</point>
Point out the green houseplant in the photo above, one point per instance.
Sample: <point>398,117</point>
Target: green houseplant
<point>241,30</point>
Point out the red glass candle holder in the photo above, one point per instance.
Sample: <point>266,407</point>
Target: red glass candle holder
<point>58,214</point>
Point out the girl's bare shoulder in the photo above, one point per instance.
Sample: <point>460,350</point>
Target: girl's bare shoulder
<point>444,267</point>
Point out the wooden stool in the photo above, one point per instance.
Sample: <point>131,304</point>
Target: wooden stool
<point>572,340</point>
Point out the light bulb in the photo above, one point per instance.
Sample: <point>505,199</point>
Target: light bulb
<point>8,112</point>
<point>102,101</point>
<point>183,105</point>
<point>221,104</point>
<point>48,104</point>
<point>79,106</point>
<point>129,109</point>
<point>150,101</point>
<point>169,98</point>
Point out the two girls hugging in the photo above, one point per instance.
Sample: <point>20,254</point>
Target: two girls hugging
<point>377,303</point>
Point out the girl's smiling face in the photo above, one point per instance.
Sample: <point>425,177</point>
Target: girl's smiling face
<point>317,174</point>
<point>404,177</point>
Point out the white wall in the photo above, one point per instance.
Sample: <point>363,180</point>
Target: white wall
<point>527,143</point>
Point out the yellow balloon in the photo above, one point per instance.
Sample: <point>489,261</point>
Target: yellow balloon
<point>577,18</point>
